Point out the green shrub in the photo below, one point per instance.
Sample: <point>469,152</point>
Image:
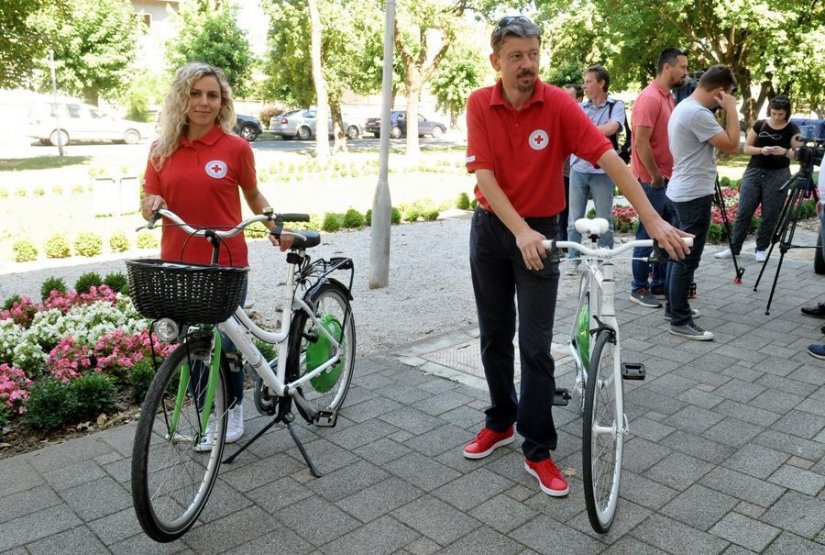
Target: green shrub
<point>21,192</point>
<point>118,282</point>
<point>57,189</point>
<point>353,219</point>
<point>368,217</point>
<point>119,242</point>
<point>716,232</point>
<point>4,193</point>
<point>9,302</point>
<point>332,222</point>
<point>267,349</point>
<point>57,247</point>
<point>395,215</point>
<point>140,378</point>
<point>78,189</point>
<point>39,192</point>
<point>431,215</point>
<point>88,243</point>
<point>463,202</point>
<point>24,251</point>
<point>50,284</point>
<point>94,393</point>
<point>410,214</point>
<point>86,281</point>
<point>147,240</point>
<point>50,405</point>
<point>724,181</point>
<point>474,203</point>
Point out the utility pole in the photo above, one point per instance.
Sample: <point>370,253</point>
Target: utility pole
<point>381,202</point>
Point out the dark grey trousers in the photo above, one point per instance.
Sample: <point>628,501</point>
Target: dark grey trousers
<point>757,187</point>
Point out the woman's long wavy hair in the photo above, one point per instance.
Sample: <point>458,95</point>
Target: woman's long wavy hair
<point>173,122</point>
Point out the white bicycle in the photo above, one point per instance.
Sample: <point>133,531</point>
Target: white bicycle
<point>595,344</point>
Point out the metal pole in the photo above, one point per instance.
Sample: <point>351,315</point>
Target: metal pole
<point>56,105</point>
<point>381,202</point>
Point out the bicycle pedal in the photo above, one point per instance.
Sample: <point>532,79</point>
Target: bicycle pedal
<point>325,418</point>
<point>633,371</point>
<point>561,397</point>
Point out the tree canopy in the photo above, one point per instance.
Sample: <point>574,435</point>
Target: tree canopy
<point>775,45</point>
<point>93,43</point>
<point>209,32</point>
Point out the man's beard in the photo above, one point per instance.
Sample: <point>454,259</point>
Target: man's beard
<point>522,88</point>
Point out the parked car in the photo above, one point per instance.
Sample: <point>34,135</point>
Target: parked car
<point>248,127</point>
<point>67,120</point>
<point>398,126</point>
<point>301,124</point>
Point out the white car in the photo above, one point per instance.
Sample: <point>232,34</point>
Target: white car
<point>66,121</point>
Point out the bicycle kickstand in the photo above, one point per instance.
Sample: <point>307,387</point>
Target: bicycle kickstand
<point>287,419</point>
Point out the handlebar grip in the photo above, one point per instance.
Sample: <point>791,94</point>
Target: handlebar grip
<point>293,217</point>
<point>153,220</point>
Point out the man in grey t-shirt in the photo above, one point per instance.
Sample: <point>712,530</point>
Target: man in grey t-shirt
<point>693,134</point>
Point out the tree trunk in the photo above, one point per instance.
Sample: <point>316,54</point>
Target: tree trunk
<point>322,115</point>
<point>339,132</point>
<point>414,86</point>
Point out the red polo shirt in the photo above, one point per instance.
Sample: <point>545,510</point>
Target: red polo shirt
<point>200,184</point>
<point>526,149</point>
<point>652,109</point>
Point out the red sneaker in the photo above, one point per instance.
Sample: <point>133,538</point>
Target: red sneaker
<point>551,480</point>
<point>488,441</point>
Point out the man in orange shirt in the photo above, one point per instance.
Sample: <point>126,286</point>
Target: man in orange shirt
<point>652,164</point>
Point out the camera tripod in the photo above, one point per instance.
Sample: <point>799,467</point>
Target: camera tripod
<point>719,200</point>
<point>798,188</point>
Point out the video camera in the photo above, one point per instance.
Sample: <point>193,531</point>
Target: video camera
<point>811,151</point>
<point>688,86</point>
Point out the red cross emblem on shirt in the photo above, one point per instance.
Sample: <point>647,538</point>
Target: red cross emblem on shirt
<point>216,169</point>
<point>539,139</point>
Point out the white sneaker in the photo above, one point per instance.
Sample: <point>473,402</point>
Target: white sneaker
<point>761,256</point>
<point>723,254</point>
<point>208,436</point>
<point>234,430</point>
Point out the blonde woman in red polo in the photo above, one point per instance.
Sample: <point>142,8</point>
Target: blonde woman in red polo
<point>196,168</point>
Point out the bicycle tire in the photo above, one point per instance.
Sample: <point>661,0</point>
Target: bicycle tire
<point>580,342</point>
<point>602,434</point>
<point>171,482</point>
<point>308,348</point>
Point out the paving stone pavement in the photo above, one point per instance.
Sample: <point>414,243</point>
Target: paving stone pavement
<point>725,456</point>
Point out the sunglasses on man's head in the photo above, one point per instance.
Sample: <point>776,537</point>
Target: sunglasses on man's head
<point>512,19</point>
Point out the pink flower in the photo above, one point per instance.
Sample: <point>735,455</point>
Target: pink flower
<point>14,388</point>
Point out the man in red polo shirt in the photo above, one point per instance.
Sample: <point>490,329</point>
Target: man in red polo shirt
<point>652,164</point>
<point>519,133</point>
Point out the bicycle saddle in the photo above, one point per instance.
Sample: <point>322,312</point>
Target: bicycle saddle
<point>306,239</point>
<point>596,226</point>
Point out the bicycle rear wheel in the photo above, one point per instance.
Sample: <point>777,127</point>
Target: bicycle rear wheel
<point>171,481</point>
<point>602,434</point>
<point>309,348</point>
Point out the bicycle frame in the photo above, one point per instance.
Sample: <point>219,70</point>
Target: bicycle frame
<point>239,323</point>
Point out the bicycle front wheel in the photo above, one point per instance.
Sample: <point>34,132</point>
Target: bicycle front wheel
<point>603,434</point>
<point>312,348</point>
<point>173,471</point>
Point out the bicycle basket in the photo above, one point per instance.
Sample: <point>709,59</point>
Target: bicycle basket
<point>186,293</point>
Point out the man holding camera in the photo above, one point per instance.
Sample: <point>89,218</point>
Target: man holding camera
<point>693,133</point>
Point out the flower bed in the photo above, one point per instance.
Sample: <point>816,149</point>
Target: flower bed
<point>625,217</point>
<point>71,358</point>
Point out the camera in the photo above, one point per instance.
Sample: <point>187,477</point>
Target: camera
<point>811,151</point>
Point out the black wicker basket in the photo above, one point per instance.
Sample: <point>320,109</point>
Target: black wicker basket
<point>186,293</point>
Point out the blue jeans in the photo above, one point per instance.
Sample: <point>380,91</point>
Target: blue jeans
<point>692,216</point>
<point>641,268</point>
<point>582,185</point>
<point>499,275</point>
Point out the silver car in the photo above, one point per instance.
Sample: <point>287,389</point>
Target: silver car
<point>301,124</point>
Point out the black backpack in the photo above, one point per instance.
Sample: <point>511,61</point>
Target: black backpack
<point>622,150</point>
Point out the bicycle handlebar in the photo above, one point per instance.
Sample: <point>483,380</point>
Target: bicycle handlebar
<point>267,216</point>
<point>604,252</point>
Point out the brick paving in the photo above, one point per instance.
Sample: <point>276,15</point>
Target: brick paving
<point>725,454</point>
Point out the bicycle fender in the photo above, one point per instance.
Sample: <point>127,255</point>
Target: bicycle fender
<point>312,292</point>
